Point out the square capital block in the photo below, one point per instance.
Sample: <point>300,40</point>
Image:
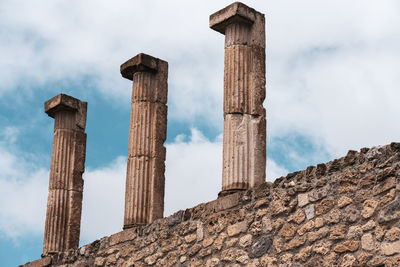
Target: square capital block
<point>234,13</point>
<point>64,102</point>
<point>139,63</point>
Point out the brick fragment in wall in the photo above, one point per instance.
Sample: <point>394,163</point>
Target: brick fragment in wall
<point>268,226</point>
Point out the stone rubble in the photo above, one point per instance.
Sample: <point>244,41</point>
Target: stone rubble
<point>245,228</point>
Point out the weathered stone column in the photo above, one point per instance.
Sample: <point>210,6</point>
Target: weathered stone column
<point>64,204</point>
<point>144,195</point>
<point>244,141</point>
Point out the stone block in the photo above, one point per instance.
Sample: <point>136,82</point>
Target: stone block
<point>298,217</point>
<point>237,228</point>
<point>302,199</point>
<point>367,242</point>
<point>388,184</point>
<point>324,206</point>
<point>288,231</point>
<point>43,262</point>
<point>333,216</point>
<point>223,203</point>
<point>390,212</point>
<point>347,246</point>
<point>369,207</point>
<point>393,234</point>
<point>319,222</point>
<point>351,214</point>
<point>344,201</point>
<point>310,211</point>
<point>246,240</point>
<point>175,218</point>
<point>348,261</point>
<point>338,231</point>
<point>277,207</point>
<point>368,225</point>
<point>390,248</point>
<point>190,238</point>
<point>261,246</point>
<point>318,194</point>
<point>322,247</point>
<point>316,235</point>
<point>295,243</point>
<point>354,232</point>
<point>123,236</point>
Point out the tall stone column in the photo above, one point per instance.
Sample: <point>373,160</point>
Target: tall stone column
<point>145,181</point>
<point>244,140</point>
<point>64,204</point>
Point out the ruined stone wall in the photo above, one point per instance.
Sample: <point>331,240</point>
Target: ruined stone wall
<point>343,213</point>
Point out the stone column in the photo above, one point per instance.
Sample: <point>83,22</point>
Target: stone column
<point>144,195</point>
<point>244,140</point>
<point>64,204</point>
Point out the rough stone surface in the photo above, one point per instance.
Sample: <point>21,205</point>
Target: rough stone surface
<point>145,181</point>
<point>237,228</point>
<point>367,242</point>
<point>64,203</point>
<point>302,199</point>
<point>390,248</point>
<point>393,234</point>
<point>266,226</point>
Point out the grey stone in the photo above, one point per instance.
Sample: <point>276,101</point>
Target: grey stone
<point>390,212</point>
<point>261,246</point>
<point>310,211</point>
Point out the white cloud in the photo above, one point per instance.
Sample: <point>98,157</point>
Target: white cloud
<point>273,170</point>
<point>23,196</point>
<point>103,200</point>
<point>332,71</point>
<point>193,171</point>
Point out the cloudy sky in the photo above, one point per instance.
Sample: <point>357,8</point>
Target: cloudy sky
<point>333,75</point>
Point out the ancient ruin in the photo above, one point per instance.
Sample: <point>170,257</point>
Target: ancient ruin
<point>64,204</point>
<point>345,212</point>
<point>145,182</point>
<point>244,141</point>
<point>342,213</point>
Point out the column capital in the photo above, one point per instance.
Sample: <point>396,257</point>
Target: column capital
<point>139,63</point>
<point>64,102</point>
<point>234,13</point>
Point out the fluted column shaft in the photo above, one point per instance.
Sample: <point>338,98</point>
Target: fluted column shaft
<point>64,204</point>
<point>244,139</point>
<point>144,195</point>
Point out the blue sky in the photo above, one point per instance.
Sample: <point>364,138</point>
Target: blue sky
<point>332,85</point>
